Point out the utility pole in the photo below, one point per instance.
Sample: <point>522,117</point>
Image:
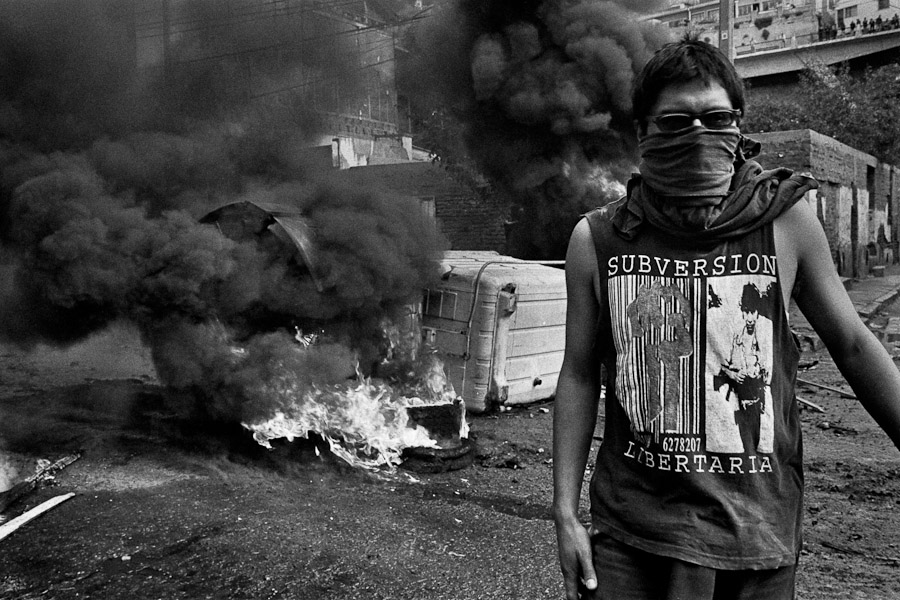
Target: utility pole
<point>726,30</point>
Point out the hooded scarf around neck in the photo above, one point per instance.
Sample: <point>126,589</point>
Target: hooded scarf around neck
<point>756,198</point>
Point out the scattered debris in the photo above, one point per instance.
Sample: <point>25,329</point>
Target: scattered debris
<point>892,331</point>
<point>506,460</point>
<point>808,342</point>
<point>810,404</point>
<point>445,422</point>
<point>827,387</point>
<point>502,456</point>
<point>44,473</point>
<point>446,425</point>
<point>805,365</point>
<point>8,528</point>
<point>847,550</point>
<point>838,429</point>
<point>439,460</point>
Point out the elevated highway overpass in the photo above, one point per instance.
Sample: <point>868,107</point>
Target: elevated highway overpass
<point>783,63</point>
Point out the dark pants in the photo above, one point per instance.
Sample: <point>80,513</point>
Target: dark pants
<point>748,419</point>
<point>625,573</point>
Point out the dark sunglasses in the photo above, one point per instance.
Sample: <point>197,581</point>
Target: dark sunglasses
<point>714,119</point>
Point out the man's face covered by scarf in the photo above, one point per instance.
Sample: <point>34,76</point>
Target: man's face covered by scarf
<point>690,169</point>
<point>690,163</point>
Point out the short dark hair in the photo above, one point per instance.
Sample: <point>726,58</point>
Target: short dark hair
<point>678,62</point>
<point>751,298</point>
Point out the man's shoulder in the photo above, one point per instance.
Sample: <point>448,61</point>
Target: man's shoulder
<point>797,219</point>
<point>601,222</point>
<point>608,209</point>
<point>603,215</point>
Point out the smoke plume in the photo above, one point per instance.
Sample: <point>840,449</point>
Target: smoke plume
<point>116,138</point>
<point>543,91</point>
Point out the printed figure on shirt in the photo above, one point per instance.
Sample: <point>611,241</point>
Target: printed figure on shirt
<point>739,405</point>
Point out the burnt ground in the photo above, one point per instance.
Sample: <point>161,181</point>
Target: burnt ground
<point>170,508</point>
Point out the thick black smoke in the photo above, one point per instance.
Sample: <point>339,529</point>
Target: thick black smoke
<point>543,90</point>
<point>107,165</point>
<point>76,71</point>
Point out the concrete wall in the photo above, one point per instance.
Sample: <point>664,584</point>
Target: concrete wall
<point>857,199</point>
<point>367,148</point>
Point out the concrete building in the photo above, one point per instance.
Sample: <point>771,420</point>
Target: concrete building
<point>856,202</point>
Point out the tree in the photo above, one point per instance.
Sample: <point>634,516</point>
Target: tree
<point>861,111</point>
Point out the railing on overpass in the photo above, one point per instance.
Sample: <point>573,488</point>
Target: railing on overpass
<point>778,59</point>
<point>815,38</point>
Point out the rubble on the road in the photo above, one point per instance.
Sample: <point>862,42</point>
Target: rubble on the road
<point>44,473</point>
<point>829,388</point>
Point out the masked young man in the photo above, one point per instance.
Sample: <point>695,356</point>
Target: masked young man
<point>698,484</point>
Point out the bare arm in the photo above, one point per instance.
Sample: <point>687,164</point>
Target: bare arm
<point>819,293</point>
<point>575,410</point>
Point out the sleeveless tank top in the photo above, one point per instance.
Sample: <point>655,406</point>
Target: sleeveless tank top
<point>701,458</point>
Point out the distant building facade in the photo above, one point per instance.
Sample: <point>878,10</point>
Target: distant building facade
<point>761,25</point>
<point>337,59</point>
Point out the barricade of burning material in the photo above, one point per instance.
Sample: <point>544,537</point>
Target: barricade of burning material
<point>357,366</point>
<point>372,421</point>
